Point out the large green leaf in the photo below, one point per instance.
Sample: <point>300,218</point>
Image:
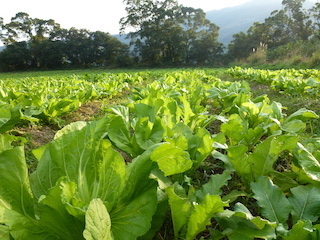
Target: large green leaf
<point>74,153</point>
<point>293,126</point>
<point>54,216</point>
<point>131,220</point>
<point>241,225</point>
<point>16,200</point>
<point>122,111</point>
<point>22,227</point>
<point>301,114</point>
<point>180,207</point>
<point>266,153</point>
<point>213,187</point>
<point>148,133</point>
<point>4,232</point>
<point>132,215</point>
<point>306,203</point>
<point>302,230</point>
<point>8,142</point>
<point>138,176</point>
<point>119,134</point>
<point>9,117</point>
<point>15,193</point>
<point>98,223</point>
<point>307,162</point>
<point>200,146</point>
<point>238,157</point>
<point>202,213</point>
<point>171,159</point>
<point>273,203</point>
<point>234,129</point>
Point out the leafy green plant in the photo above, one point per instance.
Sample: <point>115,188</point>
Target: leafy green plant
<point>76,170</point>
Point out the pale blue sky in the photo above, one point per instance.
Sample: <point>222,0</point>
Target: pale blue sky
<point>103,15</point>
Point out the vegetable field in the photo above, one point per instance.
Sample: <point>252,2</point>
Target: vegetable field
<point>173,154</point>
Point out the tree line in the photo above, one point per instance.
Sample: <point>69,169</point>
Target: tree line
<point>162,33</point>
<point>33,43</point>
<point>291,30</point>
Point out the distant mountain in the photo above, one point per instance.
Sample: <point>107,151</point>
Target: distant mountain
<point>122,38</point>
<point>240,18</point>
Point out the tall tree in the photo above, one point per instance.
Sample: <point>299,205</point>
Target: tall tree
<point>299,21</point>
<point>37,43</point>
<point>315,14</point>
<point>1,29</point>
<point>23,27</point>
<point>165,32</point>
<point>240,47</point>
<point>16,56</point>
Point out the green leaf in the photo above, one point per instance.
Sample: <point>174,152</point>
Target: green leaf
<point>157,220</point>
<point>284,180</point>
<point>76,152</point>
<point>200,146</point>
<point>302,114</point>
<point>238,157</point>
<point>274,205</point>
<point>231,197</point>
<point>8,142</point>
<point>202,213</point>
<point>16,200</point>
<point>306,203</point>
<point>171,159</point>
<point>307,162</point>
<point>213,187</point>
<point>4,233</point>
<point>266,154</point>
<point>23,227</point>
<point>122,111</point>
<point>293,126</point>
<point>301,230</point>
<point>110,180</point>
<point>98,223</point>
<point>143,110</point>
<point>178,140</point>
<point>234,129</point>
<point>9,117</point>
<point>5,115</point>
<point>241,225</point>
<point>138,176</point>
<point>119,134</point>
<point>180,207</point>
<point>132,220</point>
<point>149,133</point>
<point>54,216</point>
<point>15,192</point>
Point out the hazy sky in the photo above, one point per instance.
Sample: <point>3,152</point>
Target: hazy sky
<point>103,15</point>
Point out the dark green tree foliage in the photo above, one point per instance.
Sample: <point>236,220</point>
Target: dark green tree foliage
<point>1,28</point>
<point>289,25</point>
<point>241,46</point>
<point>36,43</point>
<point>299,20</point>
<point>166,33</point>
<point>315,15</point>
<point>15,56</point>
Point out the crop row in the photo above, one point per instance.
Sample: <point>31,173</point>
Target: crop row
<point>188,147</point>
<point>288,81</point>
<point>48,98</point>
